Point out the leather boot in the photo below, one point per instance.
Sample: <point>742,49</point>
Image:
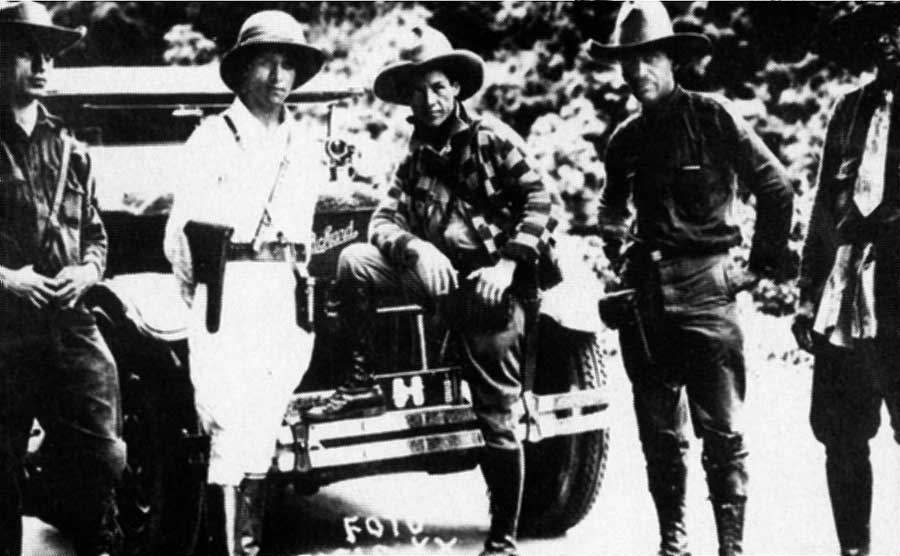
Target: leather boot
<point>849,473</point>
<point>504,473</point>
<point>729,517</point>
<point>359,395</point>
<point>213,540</point>
<point>667,487</point>
<point>244,513</point>
<point>94,525</point>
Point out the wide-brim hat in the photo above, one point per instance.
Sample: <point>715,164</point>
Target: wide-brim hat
<point>646,25</point>
<point>430,51</point>
<point>271,29</point>
<point>849,31</point>
<point>34,20</point>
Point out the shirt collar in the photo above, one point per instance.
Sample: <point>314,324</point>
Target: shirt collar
<point>249,127</point>
<point>457,122</point>
<point>43,118</point>
<point>666,106</point>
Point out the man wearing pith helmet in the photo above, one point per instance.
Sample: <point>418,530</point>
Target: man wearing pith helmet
<point>677,160</point>
<point>253,170</point>
<point>54,364</point>
<point>463,226</point>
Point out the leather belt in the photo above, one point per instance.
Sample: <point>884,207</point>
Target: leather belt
<point>272,251</point>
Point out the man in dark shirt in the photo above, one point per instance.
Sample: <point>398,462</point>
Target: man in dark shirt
<point>54,365</point>
<point>849,276</point>
<point>677,161</point>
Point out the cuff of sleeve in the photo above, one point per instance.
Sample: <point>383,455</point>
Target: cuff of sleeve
<point>402,255</point>
<point>97,263</point>
<point>519,252</point>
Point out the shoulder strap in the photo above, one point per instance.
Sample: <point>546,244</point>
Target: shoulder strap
<point>63,174</point>
<point>230,123</point>
<point>265,218</point>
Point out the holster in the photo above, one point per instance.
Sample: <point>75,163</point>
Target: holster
<point>209,252</point>
<point>638,305</point>
<point>304,297</point>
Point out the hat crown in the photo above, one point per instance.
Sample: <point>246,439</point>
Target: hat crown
<point>640,22</point>
<point>271,26</point>
<point>426,43</point>
<point>26,12</point>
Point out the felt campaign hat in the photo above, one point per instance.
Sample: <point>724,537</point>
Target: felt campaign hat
<point>645,25</point>
<point>431,51</point>
<point>34,20</point>
<point>271,29</point>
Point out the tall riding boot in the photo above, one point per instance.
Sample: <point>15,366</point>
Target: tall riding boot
<point>849,473</point>
<point>729,517</point>
<point>244,517</point>
<point>667,487</point>
<point>504,473</point>
<point>359,395</point>
<point>94,524</point>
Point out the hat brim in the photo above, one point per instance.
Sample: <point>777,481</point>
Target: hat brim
<point>847,34</point>
<point>682,46</point>
<point>307,59</point>
<point>462,66</point>
<point>52,38</point>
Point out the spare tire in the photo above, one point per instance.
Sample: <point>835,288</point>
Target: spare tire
<point>563,474</point>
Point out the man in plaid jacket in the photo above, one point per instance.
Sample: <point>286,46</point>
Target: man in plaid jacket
<point>465,225</point>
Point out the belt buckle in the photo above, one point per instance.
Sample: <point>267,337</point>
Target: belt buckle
<point>284,249</point>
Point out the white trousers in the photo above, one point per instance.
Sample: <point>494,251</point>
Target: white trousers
<point>244,374</point>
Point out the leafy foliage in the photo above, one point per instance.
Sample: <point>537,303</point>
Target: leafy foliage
<point>780,63</point>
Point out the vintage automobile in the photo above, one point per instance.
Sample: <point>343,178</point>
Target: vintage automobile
<point>135,120</point>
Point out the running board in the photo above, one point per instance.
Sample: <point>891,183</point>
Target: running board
<point>304,447</point>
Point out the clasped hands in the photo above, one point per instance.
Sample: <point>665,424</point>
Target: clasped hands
<point>63,290</point>
<point>440,278</point>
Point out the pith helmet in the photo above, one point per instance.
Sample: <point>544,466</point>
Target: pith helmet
<point>643,25</point>
<point>268,29</point>
<point>431,52</point>
<point>34,20</point>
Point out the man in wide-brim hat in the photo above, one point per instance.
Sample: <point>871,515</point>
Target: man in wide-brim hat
<point>677,161</point>
<point>645,26</point>
<point>849,310</point>
<point>254,170</point>
<point>847,37</point>
<point>54,364</point>
<point>33,20</point>
<point>466,226</point>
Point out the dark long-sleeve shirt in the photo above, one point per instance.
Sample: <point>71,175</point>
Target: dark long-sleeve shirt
<point>29,170</point>
<point>835,217</point>
<point>678,163</point>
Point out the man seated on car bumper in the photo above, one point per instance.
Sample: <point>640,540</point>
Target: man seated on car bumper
<point>465,222</point>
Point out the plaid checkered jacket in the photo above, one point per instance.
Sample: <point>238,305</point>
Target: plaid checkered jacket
<point>498,188</point>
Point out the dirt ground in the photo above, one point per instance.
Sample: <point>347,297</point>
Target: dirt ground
<point>788,512</point>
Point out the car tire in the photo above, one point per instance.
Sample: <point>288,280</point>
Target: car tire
<point>161,494</point>
<point>563,474</point>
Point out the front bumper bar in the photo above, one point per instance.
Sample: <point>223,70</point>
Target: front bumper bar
<point>305,447</point>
